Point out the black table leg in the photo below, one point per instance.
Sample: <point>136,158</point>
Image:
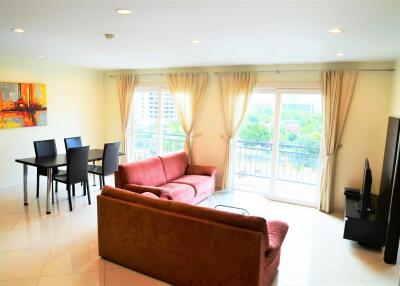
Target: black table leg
<point>25,185</point>
<point>49,189</point>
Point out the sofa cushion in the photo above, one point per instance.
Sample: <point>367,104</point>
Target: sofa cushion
<point>150,195</point>
<point>178,192</point>
<point>132,197</point>
<point>149,172</point>
<point>175,165</point>
<point>200,183</point>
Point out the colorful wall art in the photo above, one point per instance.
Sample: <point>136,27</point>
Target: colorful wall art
<point>22,105</point>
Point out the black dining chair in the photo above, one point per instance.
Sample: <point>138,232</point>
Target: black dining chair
<point>77,171</point>
<point>72,142</point>
<point>110,162</point>
<point>45,148</point>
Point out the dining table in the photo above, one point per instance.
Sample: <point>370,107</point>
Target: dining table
<point>49,163</point>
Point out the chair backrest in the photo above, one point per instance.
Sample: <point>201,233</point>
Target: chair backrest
<point>77,164</point>
<point>110,158</point>
<point>44,148</point>
<point>72,142</point>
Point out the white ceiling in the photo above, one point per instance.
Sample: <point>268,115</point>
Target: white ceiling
<point>159,33</point>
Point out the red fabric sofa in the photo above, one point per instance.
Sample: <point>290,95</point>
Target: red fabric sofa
<point>170,177</point>
<point>183,244</point>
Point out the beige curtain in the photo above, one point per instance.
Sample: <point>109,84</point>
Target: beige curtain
<point>125,86</point>
<point>187,91</point>
<point>337,91</point>
<point>236,89</point>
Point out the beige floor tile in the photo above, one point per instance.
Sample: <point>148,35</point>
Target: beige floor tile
<point>20,282</point>
<point>8,221</point>
<point>78,279</point>
<point>3,234</point>
<point>77,234</point>
<point>111,266</point>
<point>21,264</point>
<point>18,239</point>
<point>29,221</point>
<point>128,277</point>
<point>73,259</point>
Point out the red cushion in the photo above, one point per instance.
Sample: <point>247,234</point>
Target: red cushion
<point>200,183</point>
<point>175,165</point>
<point>150,195</point>
<point>147,172</point>
<point>178,192</point>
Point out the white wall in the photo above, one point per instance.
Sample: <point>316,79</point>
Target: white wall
<point>364,136</point>
<point>395,100</point>
<point>75,108</point>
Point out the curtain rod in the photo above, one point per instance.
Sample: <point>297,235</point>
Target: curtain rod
<point>273,71</point>
<point>314,70</point>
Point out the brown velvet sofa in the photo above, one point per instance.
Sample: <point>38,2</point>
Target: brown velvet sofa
<point>183,244</point>
<point>169,177</point>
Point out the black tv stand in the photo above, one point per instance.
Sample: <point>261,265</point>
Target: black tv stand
<point>365,228</point>
<point>358,208</point>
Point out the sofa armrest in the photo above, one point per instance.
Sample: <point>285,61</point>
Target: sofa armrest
<point>142,189</point>
<point>201,170</point>
<point>276,234</point>
<point>117,180</point>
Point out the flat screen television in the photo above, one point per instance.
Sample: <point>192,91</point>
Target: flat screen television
<point>364,205</point>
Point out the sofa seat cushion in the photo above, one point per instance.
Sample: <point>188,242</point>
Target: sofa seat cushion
<point>149,172</point>
<point>174,165</point>
<point>200,183</point>
<point>178,192</point>
<point>150,195</point>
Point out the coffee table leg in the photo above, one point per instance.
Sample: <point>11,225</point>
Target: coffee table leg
<point>49,180</point>
<point>25,185</point>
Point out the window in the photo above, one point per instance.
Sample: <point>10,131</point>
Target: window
<point>156,127</point>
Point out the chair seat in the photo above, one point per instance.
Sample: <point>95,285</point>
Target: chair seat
<point>61,178</point>
<point>95,169</point>
<point>60,172</point>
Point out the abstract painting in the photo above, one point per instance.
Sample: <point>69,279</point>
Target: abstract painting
<point>22,105</point>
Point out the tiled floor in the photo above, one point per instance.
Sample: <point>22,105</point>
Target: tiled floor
<point>61,248</point>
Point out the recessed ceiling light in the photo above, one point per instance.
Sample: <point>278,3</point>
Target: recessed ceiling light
<point>195,41</point>
<point>335,30</point>
<point>18,30</point>
<point>103,50</point>
<point>123,11</point>
<point>339,54</point>
<point>40,57</point>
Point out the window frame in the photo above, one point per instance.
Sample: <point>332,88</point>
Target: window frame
<point>160,89</point>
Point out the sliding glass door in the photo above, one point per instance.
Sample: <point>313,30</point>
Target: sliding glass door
<point>277,151</point>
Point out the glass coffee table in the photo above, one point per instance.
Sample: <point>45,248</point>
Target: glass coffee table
<point>232,209</point>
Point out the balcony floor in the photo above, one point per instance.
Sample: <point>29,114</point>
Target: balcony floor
<point>284,190</point>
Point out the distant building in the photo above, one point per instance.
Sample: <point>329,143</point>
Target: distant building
<point>146,107</point>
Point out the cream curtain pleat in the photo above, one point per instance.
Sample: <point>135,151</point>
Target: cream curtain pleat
<point>235,90</point>
<point>125,87</point>
<point>187,90</point>
<point>337,93</point>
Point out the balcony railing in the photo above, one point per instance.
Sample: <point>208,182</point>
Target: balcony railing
<point>147,144</point>
<point>295,163</point>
